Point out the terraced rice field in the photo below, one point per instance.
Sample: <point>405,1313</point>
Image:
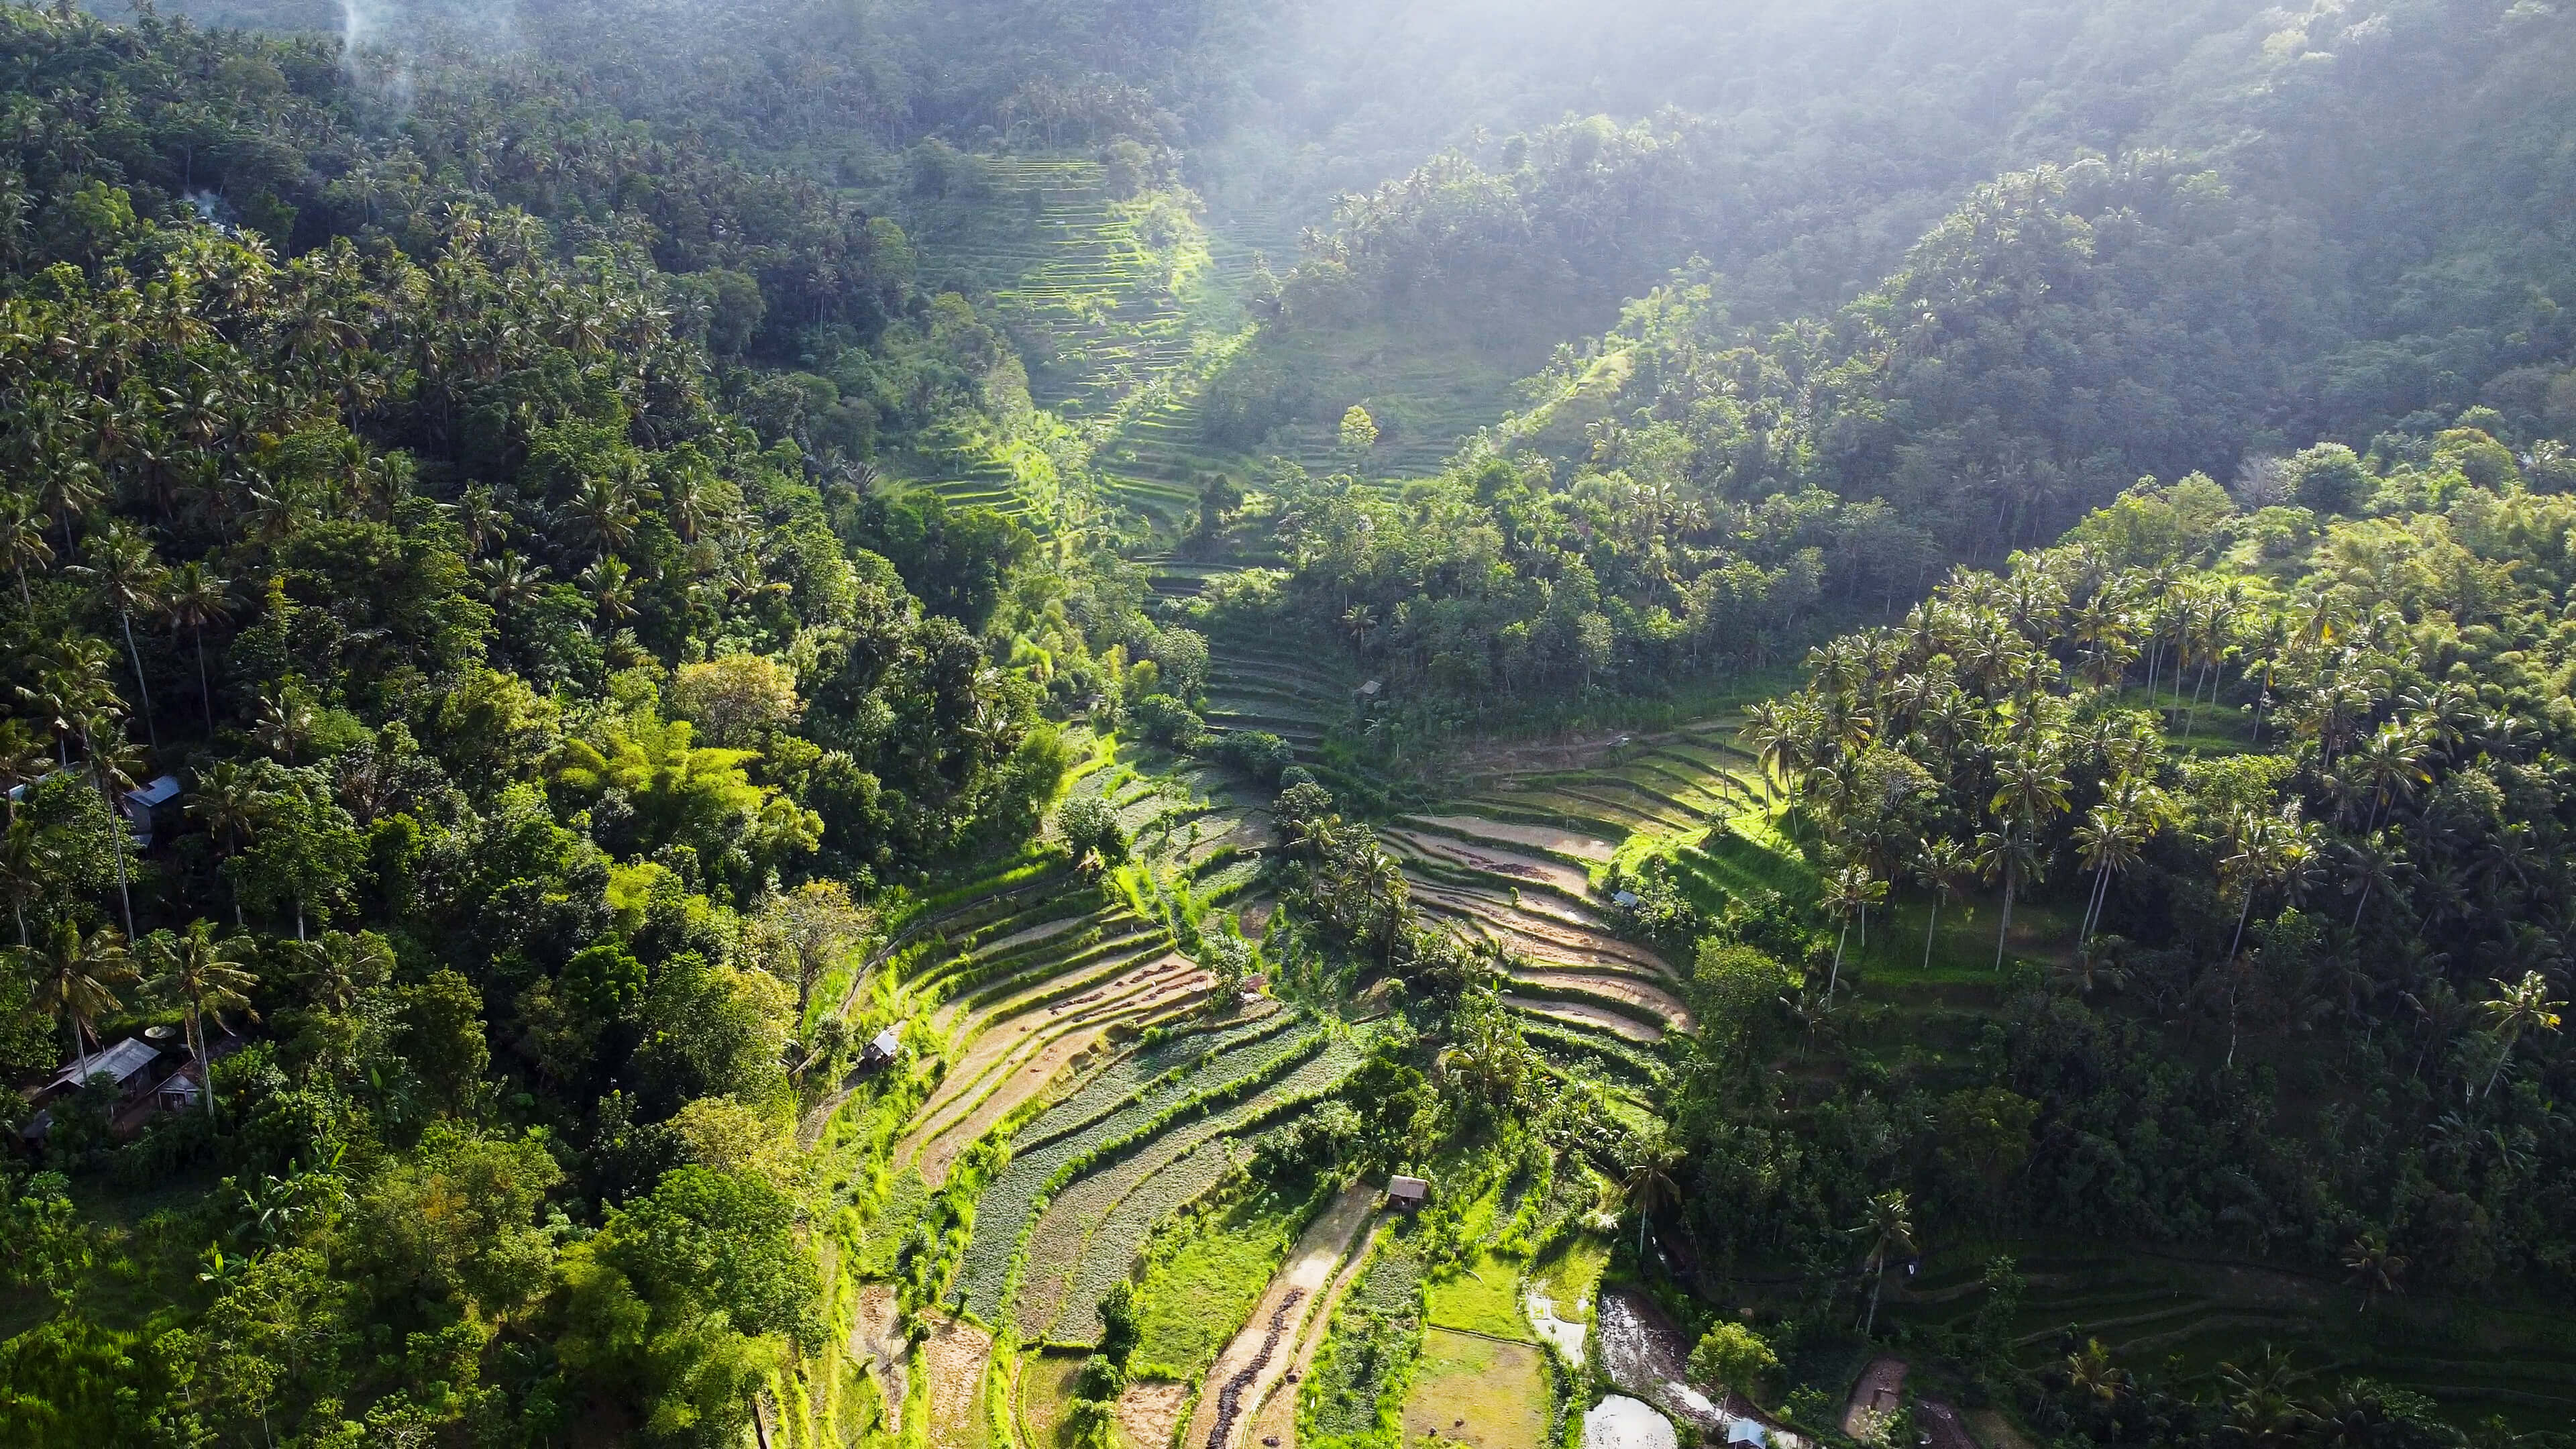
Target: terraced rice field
<point>1119,1107</point>
<point>1091,1232</point>
<point>1512,863</point>
<point>2154,1310</point>
<point>1290,689</point>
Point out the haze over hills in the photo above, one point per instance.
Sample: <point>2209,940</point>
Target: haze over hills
<point>1050,724</point>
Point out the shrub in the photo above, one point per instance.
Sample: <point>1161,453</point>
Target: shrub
<point>1167,721</point>
<point>1258,753</point>
<point>1090,827</point>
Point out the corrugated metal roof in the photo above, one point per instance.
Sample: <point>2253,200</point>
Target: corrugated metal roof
<point>119,1062</point>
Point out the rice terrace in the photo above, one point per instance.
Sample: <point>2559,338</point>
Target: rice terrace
<point>1288,724</point>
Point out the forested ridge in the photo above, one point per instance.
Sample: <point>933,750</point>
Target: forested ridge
<point>1046,724</point>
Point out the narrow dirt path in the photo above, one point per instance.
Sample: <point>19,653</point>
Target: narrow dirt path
<point>1277,1418</point>
<point>1247,1368</point>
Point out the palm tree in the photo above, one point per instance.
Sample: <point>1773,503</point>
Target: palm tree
<point>482,520</point>
<point>25,866</point>
<point>606,581</point>
<point>1853,890</point>
<point>71,684</point>
<point>22,762</point>
<point>2369,865</point>
<point>1890,1231</point>
<point>192,599</point>
<point>510,581</point>
<point>113,762</point>
<point>604,509</point>
<point>22,541</point>
<point>2108,843</point>
<point>76,976</point>
<point>1649,1182</point>
<point>2010,859</point>
<point>339,967</point>
<point>1944,870</point>
<point>1381,881</point>
<point>2391,762</point>
<point>2267,850</point>
<point>128,578</point>
<point>285,725</point>
<point>2029,792</point>
<point>2523,1006</point>
<point>228,801</point>
<point>2374,1267</point>
<point>204,977</point>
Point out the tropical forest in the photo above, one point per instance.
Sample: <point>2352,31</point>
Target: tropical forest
<point>1194,724</point>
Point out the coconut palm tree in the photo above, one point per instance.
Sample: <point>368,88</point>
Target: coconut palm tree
<point>2030,791</point>
<point>2265,851</point>
<point>2108,842</point>
<point>76,975</point>
<point>2518,1008</point>
<point>22,541</point>
<point>128,578</point>
<point>204,977</point>
<point>2010,859</point>
<point>71,684</point>
<point>228,801</point>
<point>22,762</point>
<point>192,599</point>
<point>25,866</point>
<point>1853,889</point>
<point>1648,1181</point>
<point>1889,1231</point>
<point>1944,869</point>
<point>2373,1267</point>
<point>113,763</point>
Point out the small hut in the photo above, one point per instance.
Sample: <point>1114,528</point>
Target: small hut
<point>140,803</point>
<point>1407,1193</point>
<point>881,1049</point>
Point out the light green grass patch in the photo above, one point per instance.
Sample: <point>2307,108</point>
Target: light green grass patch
<point>1202,1275</point>
<point>1570,1274</point>
<point>1476,1392</point>
<point>1046,1398</point>
<point>1481,1295</point>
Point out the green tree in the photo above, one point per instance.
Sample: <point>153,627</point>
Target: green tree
<point>689,1298</point>
<point>204,977</point>
<point>1358,432</point>
<point>442,1038</point>
<point>2519,1008</point>
<point>76,975</point>
<point>1733,1356</point>
<point>1889,1231</point>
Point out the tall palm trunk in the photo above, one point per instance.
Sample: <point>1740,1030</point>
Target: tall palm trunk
<point>1836,977</point>
<point>116,837</point>
<point>205,1068</point>
<point>205,692</point>
<point>1929,927</point>
<point>2005,930</point>
<point>141,686</point>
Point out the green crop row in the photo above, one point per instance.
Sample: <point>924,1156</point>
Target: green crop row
<point>1136,1077</point>
<point>1110,1251</point>
<point>1022,1193</point>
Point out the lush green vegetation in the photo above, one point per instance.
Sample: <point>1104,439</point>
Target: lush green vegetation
<point>869,708</point>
